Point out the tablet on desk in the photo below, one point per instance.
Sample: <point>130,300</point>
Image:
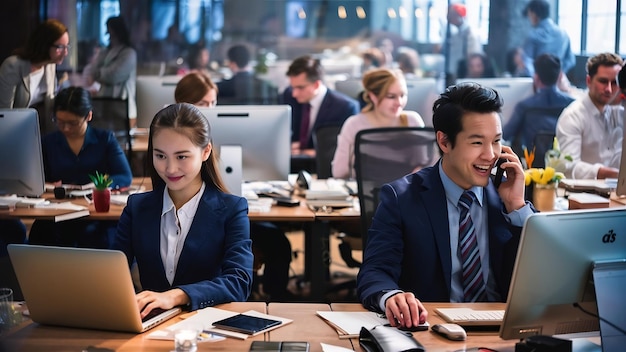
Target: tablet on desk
<point>246,324</point>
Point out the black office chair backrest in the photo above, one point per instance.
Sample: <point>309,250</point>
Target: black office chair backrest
<point>385,154</point>
<point>325,142</point>
<point>542,143</point>
<point>542,121</point>
<point>112,114</point>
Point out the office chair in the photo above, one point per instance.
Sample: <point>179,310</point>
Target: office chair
<point>542,143</point>
<point>536,121</point>
<point>325,142</point>
<point>112,114</point>
<point>385,154</point>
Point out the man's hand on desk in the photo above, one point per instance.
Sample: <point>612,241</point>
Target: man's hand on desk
<point>607,172</point>
<point>404,310</point>
<point>295,150</point>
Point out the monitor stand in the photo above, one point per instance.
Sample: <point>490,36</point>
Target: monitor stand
<point>610,280</point>
<point>231,167</point>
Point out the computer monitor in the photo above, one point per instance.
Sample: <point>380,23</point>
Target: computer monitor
<point>511,89</point>
<point>153,93</point>
<point>422,93</point>
<point>620,189</point>
<point>351,87</point>
<point>21,161</point>
<point>553,271</point>
<point>262,131</point>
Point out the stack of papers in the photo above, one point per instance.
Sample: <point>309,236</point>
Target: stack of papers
<point>330,193</point>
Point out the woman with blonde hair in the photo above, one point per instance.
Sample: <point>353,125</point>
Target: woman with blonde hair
<point>385,97</point>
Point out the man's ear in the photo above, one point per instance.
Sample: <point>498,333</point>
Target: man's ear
<point>443,142</point>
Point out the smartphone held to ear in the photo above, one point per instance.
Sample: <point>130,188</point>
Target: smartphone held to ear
<point>497,180</point>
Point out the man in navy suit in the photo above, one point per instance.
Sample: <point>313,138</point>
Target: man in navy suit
<point>326,106</point>
<point>413,242</point>
<point>244,88</point>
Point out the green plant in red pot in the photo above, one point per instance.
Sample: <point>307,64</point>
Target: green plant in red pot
<point>101,192</point>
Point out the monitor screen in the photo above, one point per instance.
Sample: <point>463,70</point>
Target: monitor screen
<point>153,93</point>
<point>262,131</point>
<point>511,89</point>
<point>621,176</point>
<point>553,271</point>
<point>20,153</point>
<point>422,93</point>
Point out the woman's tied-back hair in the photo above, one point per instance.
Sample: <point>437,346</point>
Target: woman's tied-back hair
<point>193,87</point>
<point>459,99</point>
<point>76,100</point>
<point>377,81</point>
<point>40,41</point>
<point>187,120</point>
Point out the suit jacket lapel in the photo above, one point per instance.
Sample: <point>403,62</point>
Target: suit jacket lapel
<point>434,198</point>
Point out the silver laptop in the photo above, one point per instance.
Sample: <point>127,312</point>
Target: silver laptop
<point>77,287</point>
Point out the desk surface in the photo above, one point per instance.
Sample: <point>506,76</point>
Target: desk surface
<point>307,326</point>
<point>30,336</point>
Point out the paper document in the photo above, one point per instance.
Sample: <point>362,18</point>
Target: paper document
<point>349,324</point>
<point>204,320</point>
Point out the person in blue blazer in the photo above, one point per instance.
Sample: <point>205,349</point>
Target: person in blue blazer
<point>327,107</point>
<point>189,238</point>
<point>411,253</point>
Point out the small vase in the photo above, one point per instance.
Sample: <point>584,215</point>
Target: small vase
<point>102,200</point>
<point>544,196</point>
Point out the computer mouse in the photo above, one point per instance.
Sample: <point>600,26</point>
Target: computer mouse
<point>452,332</point>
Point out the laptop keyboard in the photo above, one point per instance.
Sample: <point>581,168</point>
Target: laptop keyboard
<point>471,316</point>
<point>152,314</point>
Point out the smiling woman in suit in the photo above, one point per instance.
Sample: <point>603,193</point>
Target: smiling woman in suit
<point>189,237</point>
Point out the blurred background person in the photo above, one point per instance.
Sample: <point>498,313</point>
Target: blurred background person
<point>515,66</point>
<point>243,88</point>
<point>545,37</point>
<point>409,63</point>
<point>461,41</point>
<point>476,66</point>
<point>28,78</point>
<point>72,153</point>
<point>196,88</point>
<point>372,58</point>
<point>385,96</point>
<point>116,67</point>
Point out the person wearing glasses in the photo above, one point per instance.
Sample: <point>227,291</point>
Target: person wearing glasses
<point>28,78</point>
<point>115,67</point>
<point>70,155</point>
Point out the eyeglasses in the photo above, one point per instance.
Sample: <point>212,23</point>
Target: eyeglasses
<point>70,124</point>
<point>61,47</point>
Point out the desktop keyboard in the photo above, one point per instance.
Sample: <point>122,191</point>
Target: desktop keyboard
<point>471,317</point>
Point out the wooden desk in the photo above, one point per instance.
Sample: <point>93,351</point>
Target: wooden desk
<point>435,342</point>
<point>306,326</point>
<point>30,336</point>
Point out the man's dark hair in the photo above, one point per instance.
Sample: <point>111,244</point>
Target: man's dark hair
<point>603,59</point>
<point>239,54</point>
<point>548,68</point>
<point>306,64</point>
<point>541,8</point>
<point>459,99</point>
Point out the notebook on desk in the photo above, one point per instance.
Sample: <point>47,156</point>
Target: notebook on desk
<point>79,287</point>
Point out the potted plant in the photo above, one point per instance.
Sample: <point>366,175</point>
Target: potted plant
<point>101,192</point>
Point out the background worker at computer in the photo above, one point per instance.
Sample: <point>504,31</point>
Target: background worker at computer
<point>424,219</point>
<point>590,130</point>
<point>540,112</point>
<point>313,104</point>
<point>243,88</point>
<point>72,153</point>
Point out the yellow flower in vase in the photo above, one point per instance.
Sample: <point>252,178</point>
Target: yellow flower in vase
<point>542,176</point>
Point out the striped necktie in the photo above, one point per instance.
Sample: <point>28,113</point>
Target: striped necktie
<point>473,283</point>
